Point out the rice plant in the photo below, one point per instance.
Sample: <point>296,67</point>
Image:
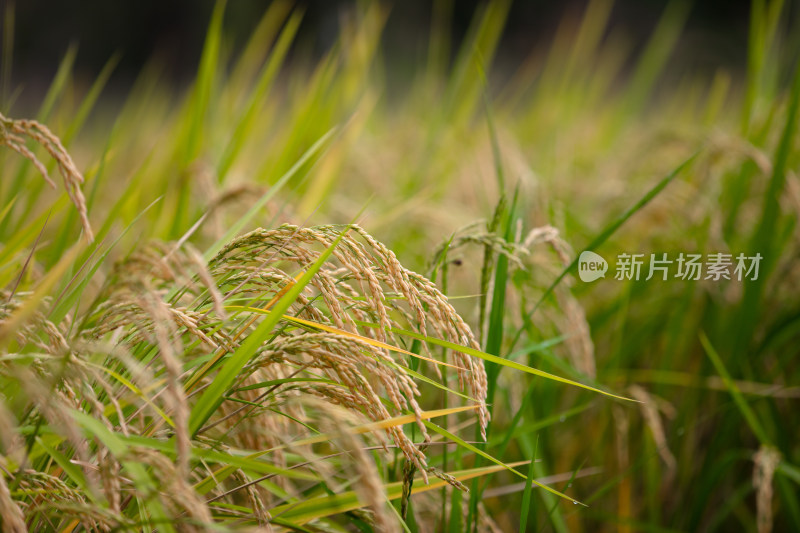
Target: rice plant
<point>294,297</point>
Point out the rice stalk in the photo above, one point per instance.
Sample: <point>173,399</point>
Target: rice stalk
<point>766,461</point>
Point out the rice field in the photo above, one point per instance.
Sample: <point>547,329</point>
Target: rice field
<point>312,294</point>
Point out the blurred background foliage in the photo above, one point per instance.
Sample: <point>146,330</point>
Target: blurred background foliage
<point>506,137</point>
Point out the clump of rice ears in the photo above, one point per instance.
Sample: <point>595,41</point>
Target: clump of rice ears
<point>166,323</point>
<point>14,134</point>
<point>299,378</point>
<point>243,382</point>
<point>131,370</point>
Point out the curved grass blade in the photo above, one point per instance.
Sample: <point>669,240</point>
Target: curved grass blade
<point>455,438</point>
<point>504,362</point>
<point>28,259</point>
<point>741,403</point>
<point>120,449</point>
<point>7,208</point>
<point>526,496</point>
<point>12,323</point>
<point>237,226</point>
<point>613,227</point>
<point>320,507</point>
<point>260,94</point>
<point>381,424</point>
<point>70,468</point>
<point>224,472</point>
<point>90,100</point>
<point>135,390</point>
<point>337,331</point>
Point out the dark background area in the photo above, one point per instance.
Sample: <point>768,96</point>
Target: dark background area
<point>715,34</point>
